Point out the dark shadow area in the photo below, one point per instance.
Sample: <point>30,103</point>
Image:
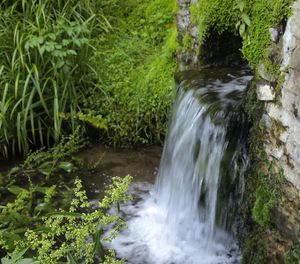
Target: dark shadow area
<point>222,50</point>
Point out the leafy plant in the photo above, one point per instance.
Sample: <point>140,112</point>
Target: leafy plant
<point>244,20</point>
<point>45,48</point>
<point>72,235</point>
<point>134,97</point>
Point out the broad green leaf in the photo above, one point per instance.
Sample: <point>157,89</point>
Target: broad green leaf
<point>66,166</point>
<point>241,5</point>
<point>246,19</point>
<point>242,29</point>
<point>46,168</point>
<point>14,189</point>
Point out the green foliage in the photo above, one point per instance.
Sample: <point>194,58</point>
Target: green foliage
<point>251,19</point>
<point>244,21</point>
<point>264,202</point>
<point>135,65</point>
<point>214,16</point>
<point>264,14</point>
<point>53,223</point>
<point>293,256</point>
<point>71,235</point>
<point>44,69</point>
<point>43,164</point>
<point>108,64</point>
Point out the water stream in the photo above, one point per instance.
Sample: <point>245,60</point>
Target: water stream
<point>188,214</point>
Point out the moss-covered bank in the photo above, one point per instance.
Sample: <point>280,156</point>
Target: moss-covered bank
<point>135,64</point>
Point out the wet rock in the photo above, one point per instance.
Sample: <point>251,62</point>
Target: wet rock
<point>267,121</point>
<point>194,32</point>
<point>274,34</point>
<point>263,73</point>
<point>277,153</point>
<point>284,136</point>
<point>265,92</point>
<point>285,215</point>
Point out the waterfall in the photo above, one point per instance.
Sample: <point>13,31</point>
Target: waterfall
<point>186,216</point>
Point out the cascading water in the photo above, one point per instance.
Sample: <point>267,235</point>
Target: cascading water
<point>186,216</point>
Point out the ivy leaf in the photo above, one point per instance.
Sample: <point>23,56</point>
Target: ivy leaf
<point>242,29</point>
<point>241,5</point>
<point>246,19</point>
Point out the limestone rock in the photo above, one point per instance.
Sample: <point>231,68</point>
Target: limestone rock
<point>277,153</point>
<point>274,34</point>
<point>263,73</point>
<point>265,92</point>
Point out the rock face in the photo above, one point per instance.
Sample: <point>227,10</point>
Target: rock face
<point>285,112</point>
<point>188,56</point>
<point>265,92</point>
<point>281,120</point>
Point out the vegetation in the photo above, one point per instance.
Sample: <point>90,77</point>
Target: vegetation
<point>43,222</point>
<point>251,19</point>
<point>135,95</point>
<point>105,69</point>
<point>75,68</point>
<point>58,69</point>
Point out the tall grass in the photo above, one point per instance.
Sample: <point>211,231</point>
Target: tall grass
<point>44,70</point>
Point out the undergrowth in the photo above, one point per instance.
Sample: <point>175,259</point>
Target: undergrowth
<point>107,65</point>
<point>44,69</point>
<point>135,66</point>
<point>45,218</point>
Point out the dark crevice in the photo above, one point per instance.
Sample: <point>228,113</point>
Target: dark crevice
<point>222,50</point>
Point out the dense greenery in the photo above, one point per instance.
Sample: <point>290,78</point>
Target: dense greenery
<point>43,69</point>
<point>101,68</point>
<point>104,63</point>
<point>135,64</point>
<point>48,220</point>
<point>104,68</point>
<point>251,19</point>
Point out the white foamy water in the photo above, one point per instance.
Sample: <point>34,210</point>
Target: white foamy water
<point>175,220</point>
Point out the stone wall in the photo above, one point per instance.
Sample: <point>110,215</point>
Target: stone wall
<point>187,56</point>
<point>279,90</point>
<point>282,110</point>
<point>271,210</point>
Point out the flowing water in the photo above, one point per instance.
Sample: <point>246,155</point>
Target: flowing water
<point>188,214</point>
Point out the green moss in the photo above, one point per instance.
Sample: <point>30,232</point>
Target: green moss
<point>214,15</point>
<point>264,14</point>
<point>220,16</point>
<point>187,41</point>
<point>264,186</point>
<point>264,202</point>
<point>136,63</point>
<point>254,250</point>
<point>293,256</point>
<point>194,13</point>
